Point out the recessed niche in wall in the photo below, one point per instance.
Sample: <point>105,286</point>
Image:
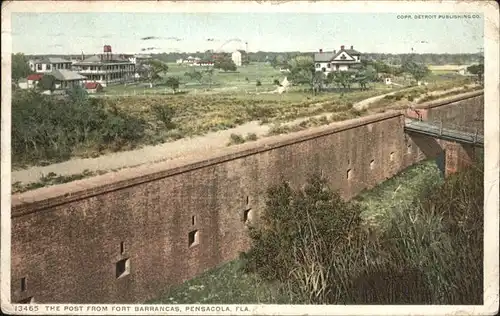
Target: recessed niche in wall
<point>372,164</point>
<point>391,156</point>
<point>23,284</point>
<point>122,248</point>
<point>193,238</point>
<point>247,200</point>
<point>28,300</point>
<point>247,215</point>
<point>122,268</point>
<point>349,174</point>
<point>193,220</point>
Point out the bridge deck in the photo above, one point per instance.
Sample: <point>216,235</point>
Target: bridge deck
<point>435,130</point>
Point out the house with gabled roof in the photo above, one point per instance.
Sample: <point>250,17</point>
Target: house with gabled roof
<point>343,60</point>
<point>67,79</point>
<point>47,64</point>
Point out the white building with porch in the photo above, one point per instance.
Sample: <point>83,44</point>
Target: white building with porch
<point>48,64</point>
<point>342,60</point>
<point>106,69</point>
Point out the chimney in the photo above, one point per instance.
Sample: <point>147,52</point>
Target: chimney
<point>342,47</point>
<point>321,50</point>
<point>352,47</point>
<point>334,51</point>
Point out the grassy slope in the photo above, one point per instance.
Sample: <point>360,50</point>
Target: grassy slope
<point>228,285</point>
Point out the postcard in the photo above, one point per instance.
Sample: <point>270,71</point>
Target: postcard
<point>250,157</point>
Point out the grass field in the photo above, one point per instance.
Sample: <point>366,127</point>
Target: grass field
<point>228,284</point>
<point>234,82</point>
<point>161,116</point>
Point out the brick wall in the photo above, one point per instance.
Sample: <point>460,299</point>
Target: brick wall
<point>69,240</point>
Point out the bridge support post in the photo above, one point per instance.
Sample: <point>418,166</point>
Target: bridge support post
<point>458,157</point>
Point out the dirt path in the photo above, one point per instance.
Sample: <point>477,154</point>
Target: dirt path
<point>166,151</point>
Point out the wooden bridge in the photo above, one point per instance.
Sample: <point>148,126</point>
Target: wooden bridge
<point>449,132</point>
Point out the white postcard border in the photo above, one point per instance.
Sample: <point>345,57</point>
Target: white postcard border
<point>491,228</point>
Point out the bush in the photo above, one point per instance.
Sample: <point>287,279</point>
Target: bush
<point>316,244</point>
<point>164,114</point>
<point>251,137</point>
<point>301,238</point>
<point>235,139</point>
<point>50,129</point>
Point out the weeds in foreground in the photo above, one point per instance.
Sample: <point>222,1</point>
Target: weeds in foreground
<point>278,129</point>
<point>236,139</point>
<point>52,179</point>
<point>315,243</point>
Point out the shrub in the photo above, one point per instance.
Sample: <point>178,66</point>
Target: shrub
<point>164,114</point>
<point>251,137</point>
<point>301,238</point>
<point>51,129</point>
<point>430,253</point>
<point>235,139</point>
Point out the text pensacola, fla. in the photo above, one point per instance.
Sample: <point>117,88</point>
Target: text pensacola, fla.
<point>436,16</point>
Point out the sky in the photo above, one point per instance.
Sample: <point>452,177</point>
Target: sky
<point>72,33</point>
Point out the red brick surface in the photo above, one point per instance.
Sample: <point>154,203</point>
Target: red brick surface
<point>66,238</point>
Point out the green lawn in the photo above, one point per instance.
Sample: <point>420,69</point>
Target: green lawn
<point>228,284</point>
<point>221,81</point>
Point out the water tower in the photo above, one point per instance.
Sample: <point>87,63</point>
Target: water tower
<point>107,52</point>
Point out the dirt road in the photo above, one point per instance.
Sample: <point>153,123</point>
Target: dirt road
<point>166,151</point>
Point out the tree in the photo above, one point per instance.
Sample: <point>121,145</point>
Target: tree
<point>258,83</point>
<point>342,79</point>
<point>155,69</point>
<point>225,63</point>
<point>365,75</point>
<point>48,82</point>
<point>209,74</point>
<point>20,67</point>
<point>302,70</point>
<point>318,81</point>
<point>477,70</point>
<point>77,95</point>
<point>418,71</point>
<point>173,83</point>
<point>278,61</point>
<point>195,75</point>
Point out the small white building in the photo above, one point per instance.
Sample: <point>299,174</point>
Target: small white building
<point>342,60</point>
<point>33,80</point>
<point>236,57</point>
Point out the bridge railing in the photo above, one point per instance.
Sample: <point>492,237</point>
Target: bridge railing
<point>443,128</point>
<point>471,129</point>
